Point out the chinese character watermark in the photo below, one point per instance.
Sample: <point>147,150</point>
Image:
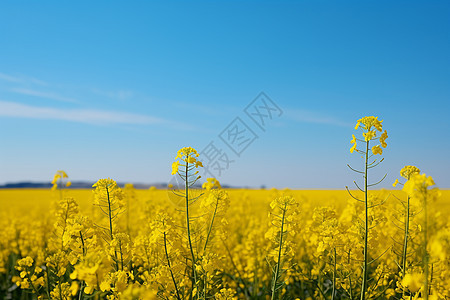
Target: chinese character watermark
<point>238,136</point>
<point>262,109</point>
<point>229,145</point>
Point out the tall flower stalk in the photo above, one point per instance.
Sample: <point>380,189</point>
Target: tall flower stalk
<point>284,210</point>
<point>369,127</point>
<point>407,172</point>
<point>109,198</point>
<point>418,188</point>
<point>185,166</point>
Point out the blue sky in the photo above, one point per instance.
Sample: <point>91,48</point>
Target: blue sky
<point>114,89</point>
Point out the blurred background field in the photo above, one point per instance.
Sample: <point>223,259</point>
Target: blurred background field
<point>30,201</point>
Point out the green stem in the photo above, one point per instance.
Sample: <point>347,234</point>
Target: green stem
<point>66,216</point>
<point>32,286</point>
<point>80,296</point>
<point>333,292</point>
<point>405,241</point>
<point>431,278</point>
<point>350,278</point>
<point>48,282</point>
<point>277,270</point>
<point>211,225</point>
<point>351,287</point>
<point>425,241</point>
<point>121,255</point>
<point>194,279</point>
<point>366,225</point>
<point>110,227</point>
<point>205,287</point>
<point>82,244</point>
<point>170,267</point>
<point>60,291</point>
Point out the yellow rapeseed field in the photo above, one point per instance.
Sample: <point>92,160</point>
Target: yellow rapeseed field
<point>191,242</point>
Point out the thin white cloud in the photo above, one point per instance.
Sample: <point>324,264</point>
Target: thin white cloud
<point>22,79</point>
<point>34,93</point>
<point>37,81</point>
<point>9,78</point>
<point>120,94</point>
<point>89,116</point>
<point>306,116</point>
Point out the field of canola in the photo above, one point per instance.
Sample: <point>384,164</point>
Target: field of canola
<point>214,243</point>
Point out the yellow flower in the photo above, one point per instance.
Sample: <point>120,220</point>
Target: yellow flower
<point>369,122</point>
<point>107,192</point>
<point>175,166</point>
<point>353,141</point>
<point>25,262</point>
<point>383,138</point>
<point>74,287</point>
<point>417,183</point>
<point>408,171</point>
<point>189,156</point>
<point>186,151</point>
<point>211,183</point>
<point>369,135</point>
<point>59,176</point>
<point>61,291</point>
<point>55,178</point>
<point>413,282</point>
<point>105,286</point>
<point>377,150</point>
<point>395,183</point>
<point>225,294</point>
<point>89,289</point>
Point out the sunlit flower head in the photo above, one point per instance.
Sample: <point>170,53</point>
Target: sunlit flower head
<point>107,190</point>
<point>188,156</point>
<point>408,171</point>
<point>368,122</point>
<point>211,183</point>
<point>370,126</point>
<point>186,152</point>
